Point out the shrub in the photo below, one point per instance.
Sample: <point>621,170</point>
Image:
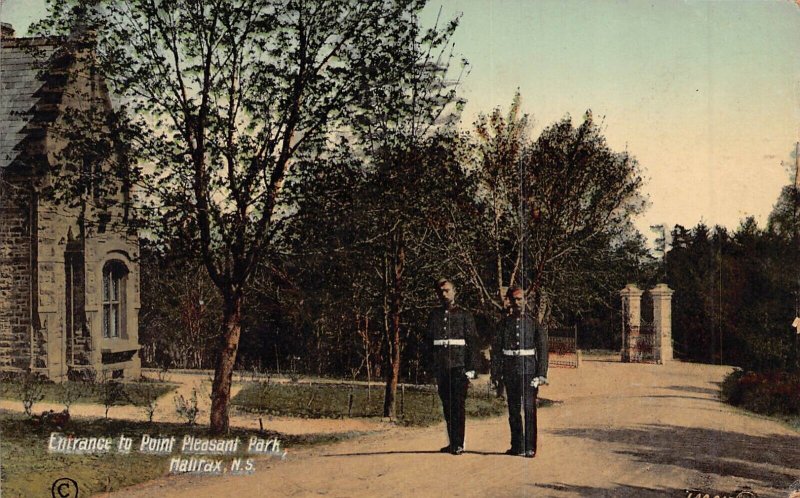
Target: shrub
<point>187,408</point>
<point>146,395</point>
<point>69,393</point>
<point>30,390</point>
<point>113,393</point>
<point>768,393</point>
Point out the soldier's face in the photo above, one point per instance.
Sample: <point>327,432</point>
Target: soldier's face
<point>447,294</point>
<point>518,301</point>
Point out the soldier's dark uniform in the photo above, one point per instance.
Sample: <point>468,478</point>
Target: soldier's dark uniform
<point>451,341</point>
<point>520,353</point>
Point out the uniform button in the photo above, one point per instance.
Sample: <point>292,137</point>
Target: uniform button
<point>445,319</point>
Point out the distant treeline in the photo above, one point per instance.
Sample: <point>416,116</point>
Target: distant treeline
<point>736,293</point>
<point>734,302</point>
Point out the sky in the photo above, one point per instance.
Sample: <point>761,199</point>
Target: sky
<point>705,94</point>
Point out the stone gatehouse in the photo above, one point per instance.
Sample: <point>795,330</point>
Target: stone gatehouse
<point>69,273</point>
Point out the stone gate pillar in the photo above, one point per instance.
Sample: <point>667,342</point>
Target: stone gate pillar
<point>662,322</point>
<point>631,318</point>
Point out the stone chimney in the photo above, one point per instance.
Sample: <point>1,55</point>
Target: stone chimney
<point>6,30</point>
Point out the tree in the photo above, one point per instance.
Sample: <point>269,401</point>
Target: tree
<point>733,295</point>
<point>575,191</point>
<point>553,215</point>
<point>398,150</point>
<point>363,232</point>
<point>180,318</point>
<point>226,96</point>
<point>398,135</point>
<point>501,142</point>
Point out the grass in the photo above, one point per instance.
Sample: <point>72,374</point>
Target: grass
<point>136,393</point>
<point>28,469</point>
<point>419,406</point>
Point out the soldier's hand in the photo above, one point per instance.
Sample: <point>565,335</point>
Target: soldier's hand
<point>470,374</point>
<point>539,381</point>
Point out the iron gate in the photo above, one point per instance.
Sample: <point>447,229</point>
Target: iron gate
<point>562,347</point>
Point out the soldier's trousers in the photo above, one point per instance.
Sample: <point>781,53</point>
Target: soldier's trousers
<point>521,400</point>
<point>452,385</point>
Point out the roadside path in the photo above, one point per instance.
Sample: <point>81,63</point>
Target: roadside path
<point>618,430</point>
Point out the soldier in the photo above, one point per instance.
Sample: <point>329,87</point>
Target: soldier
<point>521,350</point>
<point>451,341</point>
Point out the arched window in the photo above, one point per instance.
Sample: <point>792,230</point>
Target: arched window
<point>115,275</point>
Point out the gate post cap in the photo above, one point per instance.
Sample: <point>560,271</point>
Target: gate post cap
<point>661,290</point>
<point>631,290</point>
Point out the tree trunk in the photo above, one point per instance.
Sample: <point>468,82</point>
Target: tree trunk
<point>368,346</point>
<point>226,359</point>
<point>393,372</point>
<point>498,255</point>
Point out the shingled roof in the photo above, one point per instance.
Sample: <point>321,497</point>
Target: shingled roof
<point>21,82</point>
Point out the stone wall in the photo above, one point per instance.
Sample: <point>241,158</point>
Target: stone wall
<point>16,293</point>
<point>56,224</point>
<point>51,289</point>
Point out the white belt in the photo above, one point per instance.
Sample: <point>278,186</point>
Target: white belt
<point>449,342</point>
<point>519,352</point>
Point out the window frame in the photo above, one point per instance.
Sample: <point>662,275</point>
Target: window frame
<point>113,300</point>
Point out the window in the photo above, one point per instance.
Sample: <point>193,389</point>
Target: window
<point>114,277</point>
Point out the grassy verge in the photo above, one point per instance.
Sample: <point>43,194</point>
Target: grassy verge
<point>417,407</point>
<point>775,395</point>
<point>135,393</point>
<point>766,393</point>
<point>28,469</point>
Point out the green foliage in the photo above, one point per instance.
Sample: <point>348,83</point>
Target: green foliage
<point>225,101</point>
<point>768,393</point>
<point>578,197</point>
<point>784,220</point>
<point>420,407</point>
<point>552,214</point>
<point>734,298</point>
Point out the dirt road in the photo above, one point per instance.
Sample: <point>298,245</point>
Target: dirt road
<point>619,430</point>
